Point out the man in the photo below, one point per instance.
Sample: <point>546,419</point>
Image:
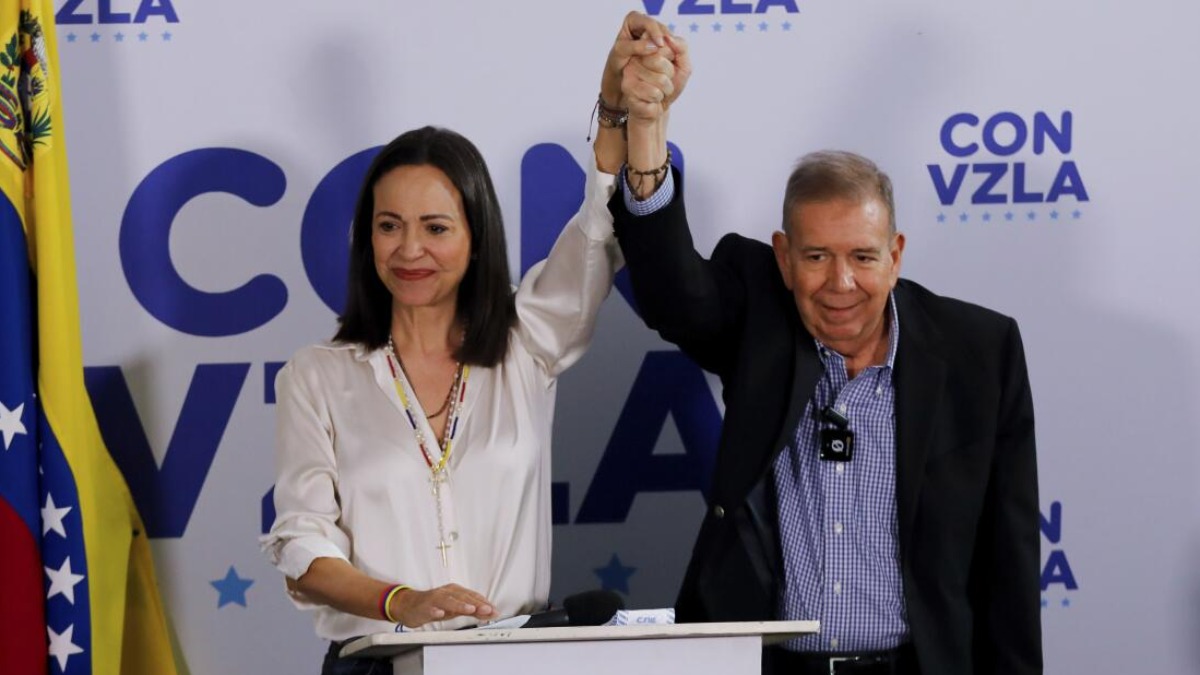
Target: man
<point>876,469</point>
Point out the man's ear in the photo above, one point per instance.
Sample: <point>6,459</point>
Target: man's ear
<point>781,246</point>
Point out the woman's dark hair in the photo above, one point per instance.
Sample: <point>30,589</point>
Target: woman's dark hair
<point>485,298</point>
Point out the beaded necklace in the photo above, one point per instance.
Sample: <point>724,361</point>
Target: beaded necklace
<point>438,467</point>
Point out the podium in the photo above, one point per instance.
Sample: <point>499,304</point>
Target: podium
<point>675,649</point>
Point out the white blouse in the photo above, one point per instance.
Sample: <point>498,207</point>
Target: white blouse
<point>351,479</point>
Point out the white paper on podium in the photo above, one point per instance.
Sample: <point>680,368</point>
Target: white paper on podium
<point>643,617</point>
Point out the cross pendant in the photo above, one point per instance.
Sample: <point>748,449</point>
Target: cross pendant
<point>435,483</point>
<point>442,545</point>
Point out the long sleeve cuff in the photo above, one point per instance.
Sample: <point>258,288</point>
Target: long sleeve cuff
<point>661,197</point>
<point>293,556</point>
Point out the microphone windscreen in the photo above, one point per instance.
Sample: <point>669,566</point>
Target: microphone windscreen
<point>592,608</point>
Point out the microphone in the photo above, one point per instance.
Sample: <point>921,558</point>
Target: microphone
<point>590,608</point>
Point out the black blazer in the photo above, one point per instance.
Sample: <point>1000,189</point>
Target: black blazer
<point>966,470</point>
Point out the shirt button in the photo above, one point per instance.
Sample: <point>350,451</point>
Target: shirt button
<point>718,511</point>
<point>837,588</point>
<point>833,642</point>
<point>453,536</point>
<point>837,528</point>
<point>879,390</point>
<point>840,467</point>
<point>842,408</point>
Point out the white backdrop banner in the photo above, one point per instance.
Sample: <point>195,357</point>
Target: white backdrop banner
<point>1044,157</point>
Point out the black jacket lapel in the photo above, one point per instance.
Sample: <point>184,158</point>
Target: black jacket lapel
<point>920,378</point>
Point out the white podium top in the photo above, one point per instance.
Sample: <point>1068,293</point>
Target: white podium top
<point>383,645</point>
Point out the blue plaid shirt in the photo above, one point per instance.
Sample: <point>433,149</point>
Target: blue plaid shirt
<point>837,520</point>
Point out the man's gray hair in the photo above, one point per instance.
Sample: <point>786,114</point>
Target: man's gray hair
<point>835,174</point>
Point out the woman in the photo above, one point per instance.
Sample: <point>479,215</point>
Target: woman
<point>413,451</point>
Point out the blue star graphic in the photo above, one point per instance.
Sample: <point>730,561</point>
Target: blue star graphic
<point>1031,215</point>
<point>1008,216</point>
<point>717,27</point>
<point>695,27</point>
<point>95,37</point>
<point>70,37</point>
<point>120,37</point>
<point>962,217</point>
<point>143,35</point>
<point>1066,602</point>
<point>166,36</point>
<point>614,576</point>
<point>741,27</point>
<point>1054,215</point>
<point>787,25</point>
<point>232,588</point>
<point>987,217</point>
<point>1076,213</point>
<point>941,217</point>
<point>763,26</point>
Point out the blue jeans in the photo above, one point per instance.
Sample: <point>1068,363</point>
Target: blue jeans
<point>333,665</point>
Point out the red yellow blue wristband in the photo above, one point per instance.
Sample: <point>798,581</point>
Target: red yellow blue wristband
<point>385,601</point>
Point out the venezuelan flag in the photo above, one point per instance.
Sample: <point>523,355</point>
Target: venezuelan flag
<point>77,587</point>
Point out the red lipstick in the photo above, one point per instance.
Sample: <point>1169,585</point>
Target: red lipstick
<point>412,275</point>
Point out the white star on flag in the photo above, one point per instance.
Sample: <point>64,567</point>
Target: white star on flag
<point>61,646</point>
<point>63,581</point>
<point>10,423</point>
<point>52,517</point>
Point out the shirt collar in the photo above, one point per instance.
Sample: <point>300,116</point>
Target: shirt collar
<point>894,333</point>
<point>363,353</point>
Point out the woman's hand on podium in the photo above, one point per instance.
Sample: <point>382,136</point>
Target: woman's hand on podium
<point>415,608</point>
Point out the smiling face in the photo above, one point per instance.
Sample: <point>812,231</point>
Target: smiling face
<point>420,236</point>
<point>840,260</point>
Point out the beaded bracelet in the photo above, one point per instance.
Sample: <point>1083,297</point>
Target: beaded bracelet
<point>607,116</point>
<point>610,117</point>
<point>385,601</point>
<point>660,174</point>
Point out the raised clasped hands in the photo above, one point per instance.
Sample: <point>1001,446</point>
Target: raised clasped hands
<point>646,69</point>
